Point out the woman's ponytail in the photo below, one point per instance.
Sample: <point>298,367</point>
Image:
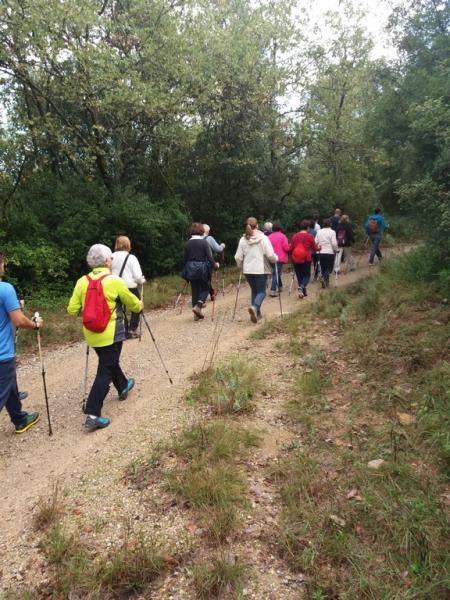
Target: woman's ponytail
<point>250,225</point>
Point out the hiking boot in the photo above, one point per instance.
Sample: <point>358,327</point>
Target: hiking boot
<point>197,310</point>
<point>92,422</point>
<point>304,291</point>
<point>259,316</point>
<point>132,335</point>
<point>273,293</point>
<point>23,396</point>
<point>300,293</point>
<point>253,314</point>
<point>28,422</point>
<point>124,393</point>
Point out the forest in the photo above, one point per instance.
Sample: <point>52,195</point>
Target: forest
<point>139,116</point>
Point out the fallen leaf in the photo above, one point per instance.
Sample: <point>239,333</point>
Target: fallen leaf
<point>376,464</point>
<point>406,419</point>
<point>337,520</point>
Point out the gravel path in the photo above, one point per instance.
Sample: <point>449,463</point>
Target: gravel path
<point>31,463</point>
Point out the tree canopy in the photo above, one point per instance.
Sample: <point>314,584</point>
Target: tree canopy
<point>138,116</point>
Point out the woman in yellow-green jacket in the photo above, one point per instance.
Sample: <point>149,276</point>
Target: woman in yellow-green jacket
<point>107,343</point>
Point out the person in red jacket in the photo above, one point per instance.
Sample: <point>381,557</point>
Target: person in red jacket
<point>301,248</point>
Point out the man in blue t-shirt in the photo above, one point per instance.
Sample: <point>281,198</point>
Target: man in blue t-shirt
<point>375,226</point>
<point>12,316</point>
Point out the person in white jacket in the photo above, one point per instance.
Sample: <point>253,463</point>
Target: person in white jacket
<point>255,257</point>
<point>126,266</point>
<point>326,240</point>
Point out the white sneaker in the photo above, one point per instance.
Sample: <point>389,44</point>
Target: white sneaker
<point>253,314</point>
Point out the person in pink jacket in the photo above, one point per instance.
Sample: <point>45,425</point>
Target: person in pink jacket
<point>280,246</point>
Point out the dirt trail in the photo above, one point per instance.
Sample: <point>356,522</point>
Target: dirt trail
<point>31,462</point>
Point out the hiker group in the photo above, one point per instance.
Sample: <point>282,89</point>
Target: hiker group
<point>316,251</point>
<point>110,298</point>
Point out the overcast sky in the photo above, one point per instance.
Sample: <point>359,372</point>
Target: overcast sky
<point>376,16</point>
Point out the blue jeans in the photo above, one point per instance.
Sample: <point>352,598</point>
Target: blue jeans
<point>257,285</point>
<point>277,285</point>
<point>303,272</point>
<point>375,238</point>
<point>9,395</point>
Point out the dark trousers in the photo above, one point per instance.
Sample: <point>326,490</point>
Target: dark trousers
<point>326,266</point>
<point>108,371</point>
<point>303,272</point>
<point>132,323</point>
<point>200,291</point>
<point>9,395</point>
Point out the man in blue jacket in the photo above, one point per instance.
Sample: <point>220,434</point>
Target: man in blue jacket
<point>12,316</point>
<point>375,226</point>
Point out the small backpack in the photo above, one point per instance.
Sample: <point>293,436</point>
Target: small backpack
<point>300,254</point>
<point>96,312</point>
<point>372,226</point>
<point>341,237</point>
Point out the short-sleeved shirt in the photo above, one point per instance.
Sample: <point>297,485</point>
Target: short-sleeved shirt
<point>8,303</point>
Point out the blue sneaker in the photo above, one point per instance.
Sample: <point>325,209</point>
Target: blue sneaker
<point>124,393</point>
<point>92,423</point>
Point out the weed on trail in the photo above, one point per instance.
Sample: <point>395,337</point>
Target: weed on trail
<point>227,389</point>
<point>208,478</point>
<point>220,577</point>
<point>48,510</point>
<point>355,526</point>
<point>129,567</point>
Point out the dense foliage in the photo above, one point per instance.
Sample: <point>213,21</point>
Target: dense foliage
<point>138,116</point>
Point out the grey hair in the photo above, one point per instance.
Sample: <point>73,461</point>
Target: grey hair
<point>268,226</point>
<point>207,229</point>
<point>97,256</point>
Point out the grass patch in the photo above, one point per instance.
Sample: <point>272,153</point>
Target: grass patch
<point>229,388</point>
<point>128,568</point>
<point>48,510</point>
<point>357,532</point>
<point>208,478</point>
<point>220,577</point>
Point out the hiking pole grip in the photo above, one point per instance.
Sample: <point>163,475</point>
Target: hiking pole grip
<point>36,320</point>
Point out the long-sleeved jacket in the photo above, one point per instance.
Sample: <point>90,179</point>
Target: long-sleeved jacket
<point>116,293</point>
<point>280,245</point>
<point>326,239</point>
<point>132,274</point>
<point>255,255</point>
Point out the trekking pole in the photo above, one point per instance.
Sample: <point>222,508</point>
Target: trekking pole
<point>178,298</point>
<point>156,346</point>
<point>237,295</point>
<point>36,320</point>
<point>215,294</point>
<point>278,290</point>
<point>222,262</point>
<point>140,320</point>
<point>85,379</point>
<point>292,283</point>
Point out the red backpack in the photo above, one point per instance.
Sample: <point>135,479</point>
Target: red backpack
<point>96,312</point>
<point>300,254</point>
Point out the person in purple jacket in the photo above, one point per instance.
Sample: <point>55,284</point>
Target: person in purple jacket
<point>280,246</point>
